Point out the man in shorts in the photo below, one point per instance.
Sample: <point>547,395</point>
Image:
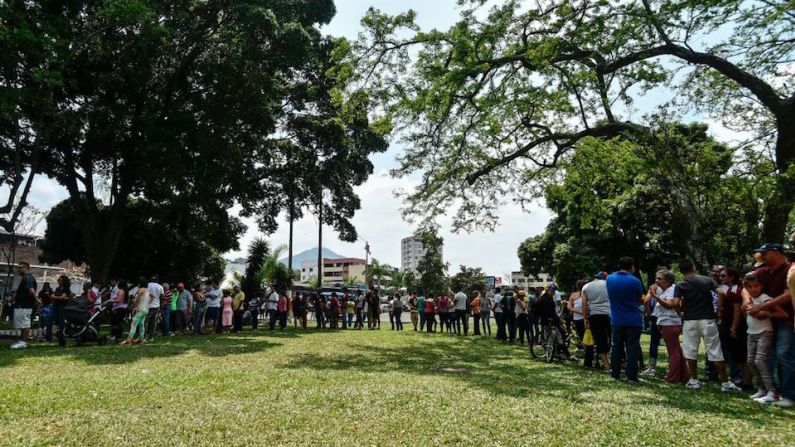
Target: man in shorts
<point>694,297</point>
<point>24,302</point>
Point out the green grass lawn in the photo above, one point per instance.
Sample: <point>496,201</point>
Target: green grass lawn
<point>352,388</point>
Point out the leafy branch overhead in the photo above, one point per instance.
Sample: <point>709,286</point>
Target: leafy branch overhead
<point>489,107</point>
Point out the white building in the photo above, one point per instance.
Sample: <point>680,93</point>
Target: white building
<point>526,282</point>
<point>411,251</point>
<point>308,270</point>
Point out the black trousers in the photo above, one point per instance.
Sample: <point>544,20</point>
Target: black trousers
<point>237,321</point>
<point>461,319</point>
<point>499,317</point>
<point>523,324</point>
<point>476,320</point>
<point>510,321</point>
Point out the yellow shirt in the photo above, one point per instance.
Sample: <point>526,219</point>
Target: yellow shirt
<point>238,300</point>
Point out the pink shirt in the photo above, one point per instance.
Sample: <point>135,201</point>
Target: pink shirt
<point>282,304</point>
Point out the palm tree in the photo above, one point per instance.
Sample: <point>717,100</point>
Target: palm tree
<point>377,270</point>
<point>398,278</point>
<point>273,272</point>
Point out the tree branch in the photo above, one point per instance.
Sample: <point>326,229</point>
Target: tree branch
<point>605,130</point>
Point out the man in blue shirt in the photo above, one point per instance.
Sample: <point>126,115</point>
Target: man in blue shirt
<point>625,293</point>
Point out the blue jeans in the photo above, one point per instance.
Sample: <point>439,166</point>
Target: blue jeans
<point>345,319</point>
<point>166,320</point>
<point>484,318</point>
<point>350,319</point>
<point>271,319</point>
<point>422,318</point>
<point>626,339</point>
<point>654,345</point>
<point>55,316</point>
<point>785,357</point>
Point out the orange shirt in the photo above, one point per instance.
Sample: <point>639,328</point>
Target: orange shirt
<point>475,306</point>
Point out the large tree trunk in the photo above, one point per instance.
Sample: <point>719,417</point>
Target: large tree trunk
<point>780,205</point>
<point>100,239</point>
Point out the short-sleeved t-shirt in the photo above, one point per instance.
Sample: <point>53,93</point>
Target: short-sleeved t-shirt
<point>696,295</point>
<point>23,300</point>
<point>598,303</point>
<point>497,303</point>
<point>774,283</point>
<point>733,296</point>
<point>623,291</point>
<point>460,301</point>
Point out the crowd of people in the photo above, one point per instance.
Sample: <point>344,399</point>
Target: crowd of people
<point>744,320</point>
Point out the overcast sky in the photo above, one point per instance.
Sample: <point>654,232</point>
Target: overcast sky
<point>379,221</point>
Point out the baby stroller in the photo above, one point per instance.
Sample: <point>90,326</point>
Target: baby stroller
<point>81,324</point>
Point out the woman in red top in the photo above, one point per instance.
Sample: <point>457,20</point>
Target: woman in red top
<point>281,309</point>
<point>732,327</point>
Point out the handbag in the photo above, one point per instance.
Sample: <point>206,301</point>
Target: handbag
<point>587,338</point>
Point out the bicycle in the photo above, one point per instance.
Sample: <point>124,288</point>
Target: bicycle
<point>550,344</point>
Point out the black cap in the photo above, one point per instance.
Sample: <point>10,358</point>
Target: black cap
<point>770,246</point>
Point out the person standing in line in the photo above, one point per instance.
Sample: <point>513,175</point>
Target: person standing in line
<point>60,296</point>
<point>228,313</point>
<point>441,308</point>
<point>397,309</point>
<point>460,308</point>
<point>253,309</point>
<point>141,305</point>
<point>166,309</point>
<point>25,301</point>
<point>670,324</point>
<point>350,311</point>
<point>509,313</point>
<point>485,312</point>
<point>522,317</point>
<point>760,340</point>
<point>199,310</point>
<point>299,309</point>
<point>733,327</point>
<point>238,303</point>
<point>375,310</point>
<point>693,295</point>
<point>499,315</point>
<point>118,311</point>
<point>625,293</point>
<point>773,277</point>
<point>282,310</point>
<point>334,311</point>
<point>156,291</point>
<point>476,311</point>
<point>184,306</point>
<point>344,308</point>
<point>429,308</point>
<point>421,309</point>
<point>413,310</point>
<point>596,312</point>
<point>574,305</point>
<point>359,307</point>
<point>320,312</point>
<point>272,306</point>
<point>213,312</point>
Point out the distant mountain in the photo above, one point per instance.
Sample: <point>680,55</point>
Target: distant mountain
<point>310,255</point>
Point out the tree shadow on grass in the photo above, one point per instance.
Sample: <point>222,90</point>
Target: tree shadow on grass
<point>111,354</point>
<point>494,368</point>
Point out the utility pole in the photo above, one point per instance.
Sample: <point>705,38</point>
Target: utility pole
<point>366,263</point>
<point>320,246</point>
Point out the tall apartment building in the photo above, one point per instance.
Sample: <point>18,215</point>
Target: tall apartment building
<point>334,270</point>
<point>411,251</point>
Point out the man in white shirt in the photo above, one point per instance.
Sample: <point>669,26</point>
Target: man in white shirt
<point>499,315</point>
<point>272,306</point>
<point>460,309</point>
<point>155,293</point>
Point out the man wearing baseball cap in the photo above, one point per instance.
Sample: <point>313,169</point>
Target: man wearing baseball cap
<point>773,276</point>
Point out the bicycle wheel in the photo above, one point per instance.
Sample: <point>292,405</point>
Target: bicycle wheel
<point>538,346</point>
<point>551,346</point>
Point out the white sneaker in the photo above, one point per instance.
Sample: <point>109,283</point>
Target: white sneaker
<point>19,345</point>
<point>768,398</point>
<point>693,384</point>
<point>784,403</point>
<point>759,393</point>
<point>729,386</point>
<point>649,372</point>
